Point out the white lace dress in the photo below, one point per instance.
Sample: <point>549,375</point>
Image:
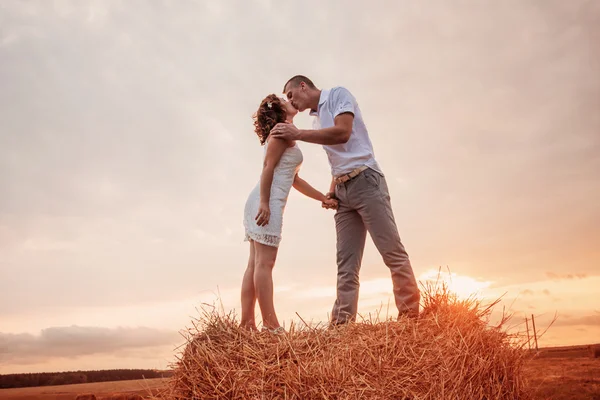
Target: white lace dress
<point>283,178</point>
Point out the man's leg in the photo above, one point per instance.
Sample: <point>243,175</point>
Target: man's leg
<point>351,236</point>
<point>370,191</point>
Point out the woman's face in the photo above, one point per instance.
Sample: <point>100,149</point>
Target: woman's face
<point>289,109</point>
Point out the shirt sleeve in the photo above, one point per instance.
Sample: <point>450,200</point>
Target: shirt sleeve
<point>343,102</point>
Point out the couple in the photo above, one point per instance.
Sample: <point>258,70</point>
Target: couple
<point>358,192</point>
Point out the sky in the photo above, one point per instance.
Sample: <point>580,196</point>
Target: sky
<point>127,153</point>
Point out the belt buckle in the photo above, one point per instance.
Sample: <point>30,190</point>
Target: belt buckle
<point>348,176</point>
<point>341,179</point>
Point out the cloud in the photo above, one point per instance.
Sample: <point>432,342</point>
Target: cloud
<point>588,320</point>
<point>560,277</point>
<point>75,341</point>
<point>527,292</point>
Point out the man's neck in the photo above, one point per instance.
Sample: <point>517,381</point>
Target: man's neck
<point>315,106</point>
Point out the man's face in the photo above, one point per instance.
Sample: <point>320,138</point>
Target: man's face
<point>290,111</point>
<point>298,96</point>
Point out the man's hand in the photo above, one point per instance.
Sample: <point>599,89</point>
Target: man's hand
<point>285,131</point>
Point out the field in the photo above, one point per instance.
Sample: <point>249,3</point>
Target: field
<point>565,378</point>
<point>562,377</point>
<point>69,392</point>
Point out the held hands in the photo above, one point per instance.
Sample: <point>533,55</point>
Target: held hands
<point>330,202</point>
<point>263,215</point>
<point>285,131</point>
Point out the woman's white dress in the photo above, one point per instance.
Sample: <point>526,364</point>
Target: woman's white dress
<point>283,178</point>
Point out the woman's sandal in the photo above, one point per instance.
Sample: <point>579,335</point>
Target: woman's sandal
<point>277,331</point>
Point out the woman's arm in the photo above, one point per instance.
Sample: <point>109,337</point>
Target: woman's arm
<point>306,189</point>
<point>274,152</point>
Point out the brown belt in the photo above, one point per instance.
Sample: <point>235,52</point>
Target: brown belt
<point>346,177</point>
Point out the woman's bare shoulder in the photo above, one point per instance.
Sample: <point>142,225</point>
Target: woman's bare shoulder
<point>279,142</point>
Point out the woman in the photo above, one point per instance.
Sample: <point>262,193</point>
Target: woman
<point>263,214</point>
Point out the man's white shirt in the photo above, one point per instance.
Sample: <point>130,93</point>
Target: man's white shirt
<point>358,150</point>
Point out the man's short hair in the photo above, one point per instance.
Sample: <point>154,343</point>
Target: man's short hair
<point>295,80</point>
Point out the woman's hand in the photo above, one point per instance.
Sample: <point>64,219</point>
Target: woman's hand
<point>263,215</point>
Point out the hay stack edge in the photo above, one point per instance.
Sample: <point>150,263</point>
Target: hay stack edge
<point>450,352</point>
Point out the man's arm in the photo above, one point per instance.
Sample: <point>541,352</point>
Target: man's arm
<point>337,134</point>
<point>343,106</point>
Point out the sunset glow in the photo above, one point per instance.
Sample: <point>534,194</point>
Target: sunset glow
<point>464,286</point>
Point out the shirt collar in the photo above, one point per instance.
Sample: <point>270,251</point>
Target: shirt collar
<point>322,100</point>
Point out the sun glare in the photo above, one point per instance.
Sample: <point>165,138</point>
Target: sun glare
<point>464,286</point>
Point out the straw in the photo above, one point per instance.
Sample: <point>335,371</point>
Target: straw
<point>450,352</point>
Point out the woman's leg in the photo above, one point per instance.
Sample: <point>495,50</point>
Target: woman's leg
<point>248,292</point>
<point>263,283</point>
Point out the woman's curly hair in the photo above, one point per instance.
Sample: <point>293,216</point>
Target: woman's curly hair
<point>269,113</point>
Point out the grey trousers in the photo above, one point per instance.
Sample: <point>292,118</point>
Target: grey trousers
<point>364,205</point>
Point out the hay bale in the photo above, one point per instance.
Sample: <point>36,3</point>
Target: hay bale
<point>450,352</point>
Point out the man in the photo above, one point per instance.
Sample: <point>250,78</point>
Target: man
<point>361,190</point>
